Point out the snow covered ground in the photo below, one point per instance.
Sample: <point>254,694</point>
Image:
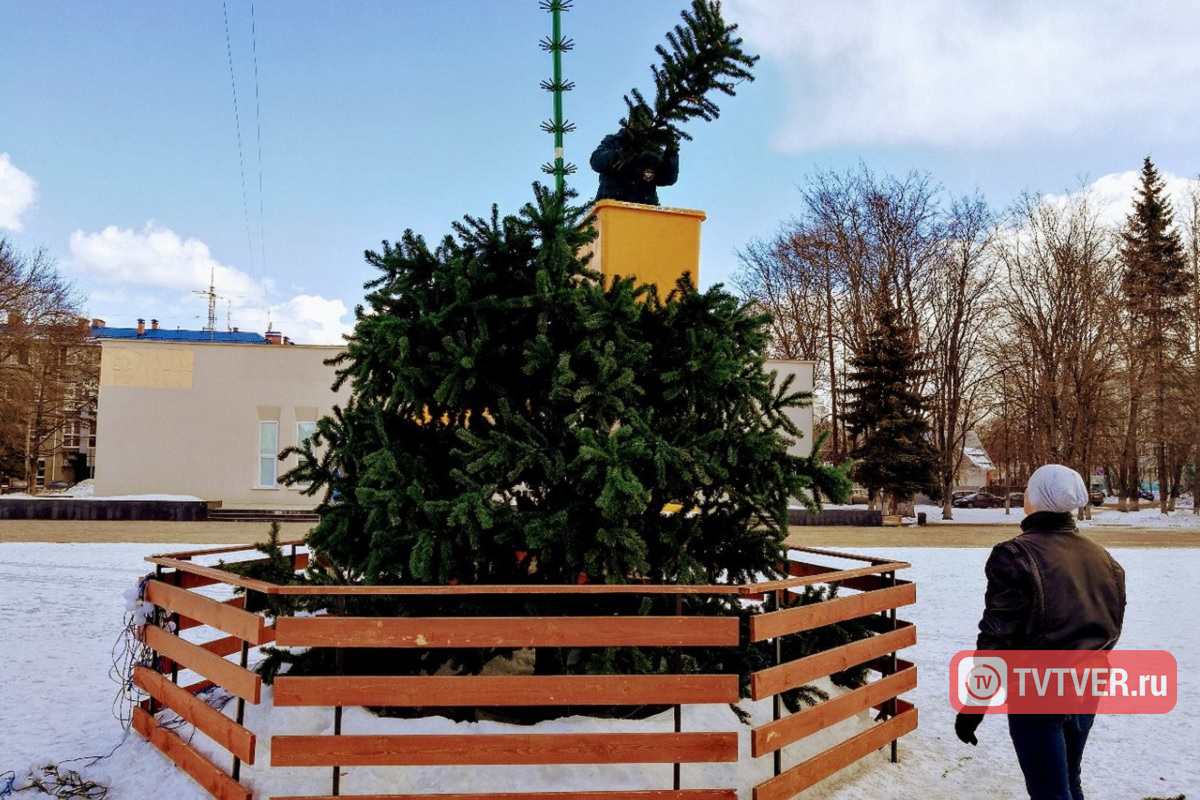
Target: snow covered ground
<point>86,490</point>
<point>62,609</point>
<point>1106,516</point>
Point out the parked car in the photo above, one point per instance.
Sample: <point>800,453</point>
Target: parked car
<point>960,494</point>
<point>979,500</point>
<point>1016,499</point>
<point>1096,498</point>
<point>14,485</point>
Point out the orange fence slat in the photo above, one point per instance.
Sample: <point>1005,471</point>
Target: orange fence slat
<point>803,618</point>
<point>187,622</point>
<point>773,680</point>
<point>209,721</point>
<point>830,576</point>
<point>782,732</point>
<point>499,749</point>
<point>236,680</point>
<point>218,575</point>
<point>505,690</point>
<point>233,548</point>
<point>330,631</point>
<point>647,794</point>
<point>821,766</point>
<point>214,780</point>
<point>190,580</point>
<point>862,583</point>
<point>222,616</point>
<point>517,589</point>
<point>851,556</point>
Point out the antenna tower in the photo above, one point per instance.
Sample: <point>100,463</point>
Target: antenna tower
<point>212,296</point>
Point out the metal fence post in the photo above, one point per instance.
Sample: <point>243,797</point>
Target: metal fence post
<point>893,665</point>
<point>776,700</point>
<point>678,707</point>
<point>241,711</point>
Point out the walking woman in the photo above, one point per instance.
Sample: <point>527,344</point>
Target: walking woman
<point>1049,589</point>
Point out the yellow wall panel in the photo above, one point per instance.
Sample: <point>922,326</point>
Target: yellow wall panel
<point>150,369</point>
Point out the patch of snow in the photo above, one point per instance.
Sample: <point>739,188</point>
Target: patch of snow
<point>1102,516</point>
<point>86,490</point>
<point>62,607</point>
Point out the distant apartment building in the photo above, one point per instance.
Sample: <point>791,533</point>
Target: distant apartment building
<point>48,374</point>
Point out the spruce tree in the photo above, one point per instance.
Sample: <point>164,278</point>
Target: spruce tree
<point>1155,283</point>
<point>514,420</point>
<point>893,453</point>
<point>705,56</point>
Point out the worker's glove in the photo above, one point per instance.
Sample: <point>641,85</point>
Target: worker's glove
<point>965,725</point>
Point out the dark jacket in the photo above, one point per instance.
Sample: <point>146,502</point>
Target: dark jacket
<point>1051,589</point>
<point>627,181</point>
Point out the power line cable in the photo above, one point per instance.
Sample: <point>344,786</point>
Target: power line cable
<point>237,119</point>
<point>262,235</point>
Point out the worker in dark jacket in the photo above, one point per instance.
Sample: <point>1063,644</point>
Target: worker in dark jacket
<point>1049,589</point>
<point>631,176</point>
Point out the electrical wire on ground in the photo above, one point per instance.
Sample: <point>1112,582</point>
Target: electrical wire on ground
<point>53,779</point>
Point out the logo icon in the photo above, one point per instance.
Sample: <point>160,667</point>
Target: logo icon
<point>982,681</point>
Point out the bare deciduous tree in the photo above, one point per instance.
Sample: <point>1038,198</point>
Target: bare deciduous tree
<point>42,361</point>
<point>1056,340</point>
<point>959,305</point>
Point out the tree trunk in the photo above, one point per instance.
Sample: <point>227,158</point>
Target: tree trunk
<point>1160,413</point>
<point>833,387</point>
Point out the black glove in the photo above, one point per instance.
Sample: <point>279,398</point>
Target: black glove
<point>965,725</point>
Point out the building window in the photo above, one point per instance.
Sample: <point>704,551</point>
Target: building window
<point>268,448</point>
<point>304,432</point>
<point>40,478</point>
<point>70,437</point>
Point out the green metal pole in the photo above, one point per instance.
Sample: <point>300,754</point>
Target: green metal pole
<point>559,173</point>
<point>557,45</point>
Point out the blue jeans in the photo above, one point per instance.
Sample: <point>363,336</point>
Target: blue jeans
<point>1050,748</point>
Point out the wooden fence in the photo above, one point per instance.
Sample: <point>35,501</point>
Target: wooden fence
<point>224,661</point>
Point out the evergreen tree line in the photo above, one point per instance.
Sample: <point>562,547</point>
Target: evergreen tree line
<point>1054,332</point>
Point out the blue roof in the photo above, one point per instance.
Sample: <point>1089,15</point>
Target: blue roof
<point>164,335</point>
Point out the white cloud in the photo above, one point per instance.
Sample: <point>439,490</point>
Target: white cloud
<point>947,72</point>
<point>311,319</point>
<point>1113,195</point>
<point>158,257</point>
<point>157,271</point>
<point>18,191</point>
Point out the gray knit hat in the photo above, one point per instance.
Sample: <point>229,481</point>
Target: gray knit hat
<point>1054,487</point>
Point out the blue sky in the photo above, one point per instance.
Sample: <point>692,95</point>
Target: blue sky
<point>119,151</point>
